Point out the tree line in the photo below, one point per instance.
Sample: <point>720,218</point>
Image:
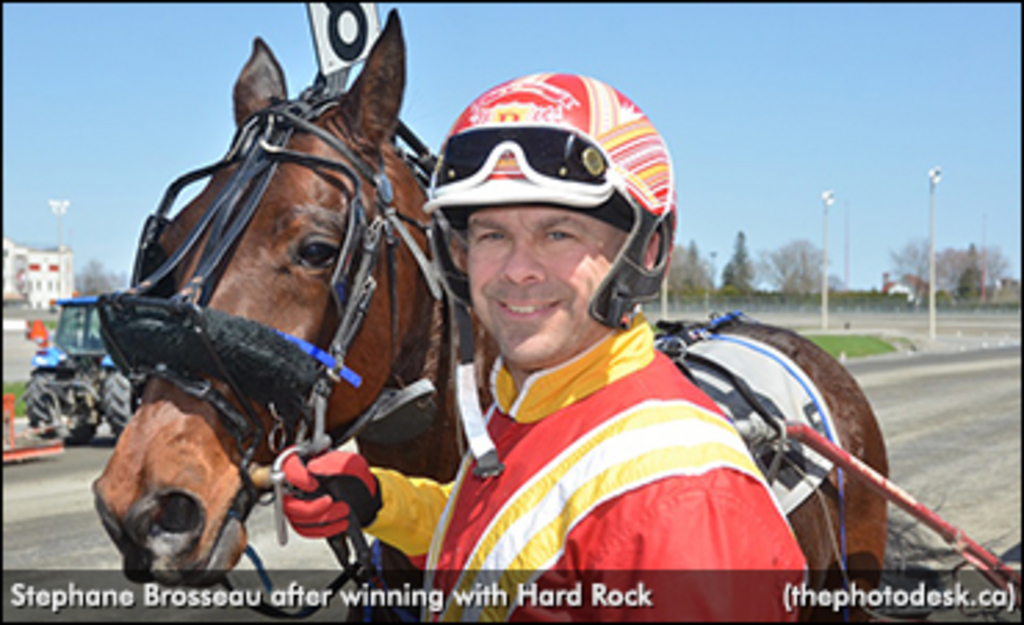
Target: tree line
<point>795,269</point>
<point>94,279</point>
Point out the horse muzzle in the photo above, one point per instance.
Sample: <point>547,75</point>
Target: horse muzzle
<point>160,539</point>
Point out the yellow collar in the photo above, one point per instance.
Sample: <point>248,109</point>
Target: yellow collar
<point>550,390</point>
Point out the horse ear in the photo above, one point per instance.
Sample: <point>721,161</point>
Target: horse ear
<point>260,83</point>
<point>374,100</point>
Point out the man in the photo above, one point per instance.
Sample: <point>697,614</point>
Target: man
<point>625,493</point>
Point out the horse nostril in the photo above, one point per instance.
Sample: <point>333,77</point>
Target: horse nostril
<point>176,513</point>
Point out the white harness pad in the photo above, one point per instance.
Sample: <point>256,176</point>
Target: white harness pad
<point>785,391</point>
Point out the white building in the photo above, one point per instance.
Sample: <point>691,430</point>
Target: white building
<point>37,278</point>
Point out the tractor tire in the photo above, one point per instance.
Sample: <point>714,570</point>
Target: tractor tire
<point>81,433</point>
<point>116,401</point>
<point>42,407</point>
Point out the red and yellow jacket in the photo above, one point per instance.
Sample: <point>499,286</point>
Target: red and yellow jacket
<point>620,475</point>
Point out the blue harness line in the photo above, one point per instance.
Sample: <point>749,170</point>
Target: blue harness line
<point>257,563</point>
<point>404,614</point>
<point>268,587</point>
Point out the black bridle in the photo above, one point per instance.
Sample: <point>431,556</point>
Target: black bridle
<point>155,305</point>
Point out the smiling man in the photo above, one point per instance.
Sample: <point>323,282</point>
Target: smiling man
<point>625,494</point>
<point>533,272</point>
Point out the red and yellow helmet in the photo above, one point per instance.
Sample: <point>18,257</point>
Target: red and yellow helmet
<point>567,141</point>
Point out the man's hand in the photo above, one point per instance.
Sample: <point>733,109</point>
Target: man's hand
<point>332,487</point>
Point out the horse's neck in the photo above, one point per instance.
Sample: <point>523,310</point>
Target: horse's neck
<point>420,353</point>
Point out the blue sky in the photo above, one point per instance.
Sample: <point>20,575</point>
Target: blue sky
<point>763,108</point>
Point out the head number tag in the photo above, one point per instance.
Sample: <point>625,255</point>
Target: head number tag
<point>343,33</point>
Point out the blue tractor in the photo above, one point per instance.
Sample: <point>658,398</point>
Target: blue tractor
<point>74,385</point>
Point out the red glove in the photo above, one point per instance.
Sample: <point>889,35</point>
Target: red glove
<point>332,488</point>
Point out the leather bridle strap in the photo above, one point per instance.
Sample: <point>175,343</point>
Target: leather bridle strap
<point>379,180</point>
<point>236,424</point>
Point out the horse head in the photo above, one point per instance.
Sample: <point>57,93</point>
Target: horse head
<point>310,226</point>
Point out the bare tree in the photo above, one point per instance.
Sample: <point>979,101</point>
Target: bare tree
<point>912,260</point>
<point>688,273</point>
<point>950,266</point>
<point>94,279</point>
<point>994,265</point>
<point>794,269</point>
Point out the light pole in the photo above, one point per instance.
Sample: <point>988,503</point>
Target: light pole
<point>984,263</point>
<point>934,176</point>
<point>846,246</point>
<point>59,207</point>
<point>826,198</point>
<point>714,268</point>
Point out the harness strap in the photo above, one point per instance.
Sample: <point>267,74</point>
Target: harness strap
<point>153,229</point>
<point>236,424</point>
<point>426,267</point>
<point>390,244</point>
<point>408,412</point>
<point>359,302</point>
<point>779,440</point>
<point>357,161</point>
<point>218,245</point>
<point>231,217</point>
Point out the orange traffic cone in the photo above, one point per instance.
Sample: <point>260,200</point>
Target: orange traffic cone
<point>38,334</point>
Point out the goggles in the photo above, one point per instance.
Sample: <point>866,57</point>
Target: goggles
<point>554,153</point>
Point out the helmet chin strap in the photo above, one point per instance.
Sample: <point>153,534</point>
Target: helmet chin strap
<point>480,444</point>
<point>630,281</point>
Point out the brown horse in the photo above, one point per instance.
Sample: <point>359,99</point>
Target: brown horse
<point>169,494</point>
<point>170,491</point>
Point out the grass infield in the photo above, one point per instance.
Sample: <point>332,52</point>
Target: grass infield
<point>854,346</point>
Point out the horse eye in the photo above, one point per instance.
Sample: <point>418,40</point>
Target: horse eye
<point>317,254</point>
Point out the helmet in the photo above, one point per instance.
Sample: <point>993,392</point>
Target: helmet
<point>566,141</point>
